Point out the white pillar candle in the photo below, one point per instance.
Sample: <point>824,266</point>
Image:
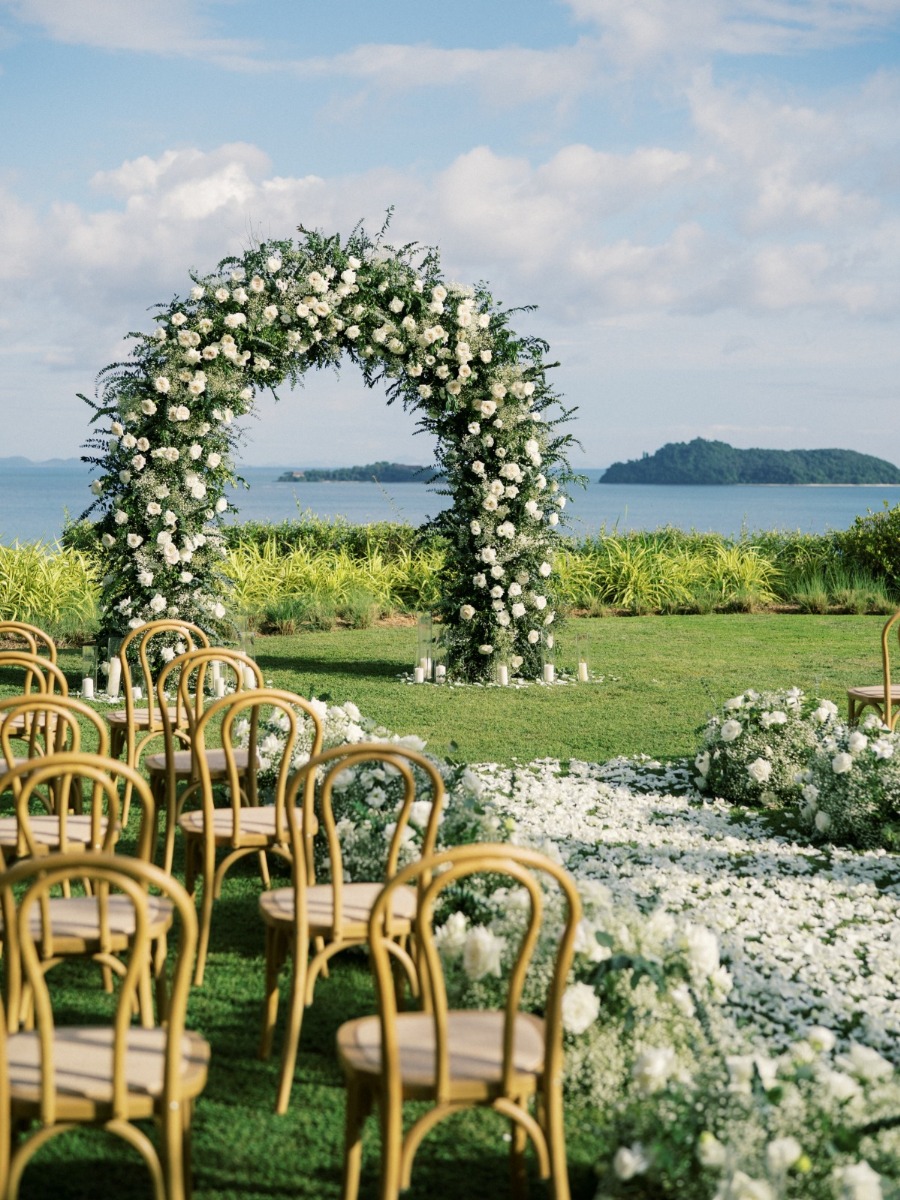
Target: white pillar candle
<point>136,693</point>
<point>115,678</point>
<point>549,672</point>
<point>219,687</point>
<point>87,688</point>
<point>249,677</point>
<point>440,673</point>
<point>582,672</point>
<point>503,675</point>
<point>419,675</point>
<point>216,668</point>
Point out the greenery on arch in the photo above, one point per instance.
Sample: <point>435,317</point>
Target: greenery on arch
<point>168,431</point>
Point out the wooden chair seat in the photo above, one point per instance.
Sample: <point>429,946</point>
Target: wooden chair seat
<point>256,825</point>
<point>83,1058</point>
<point>45,830</point>
<point>871,697</point>
<point>475,1046</point>
<point>140,717</point>
<point>75,922</point>
<point>156,763</point>
<point>277,908</point>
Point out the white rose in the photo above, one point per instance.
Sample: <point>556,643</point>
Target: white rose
<point>467,612</point>
<point>759,770</point>
<point>860,1182</point>
<point>545,569</point>
<point>221,504</point>
<point>629,1161</point>
<point>781,1154</point>
<point>213,460</point>
<point>731,730</point>
<point>652,1069</point>
<point>234,320</point>
<point>157,603</point>
<point>842,763</point>
<point>161,383</point>
<point>482,953</point>
<point>580,1008</point>
<point>148,408</point>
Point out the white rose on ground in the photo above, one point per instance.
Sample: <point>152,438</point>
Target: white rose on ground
<point>731,730</point>
<point>653,1068</point>
<point>157,603</point>
<point>782,1153</point>
<point>710,1151</point>
<point>629,1161</point>
<point>451,936</point>
<point>842,763</point>
<point>860,1182</point>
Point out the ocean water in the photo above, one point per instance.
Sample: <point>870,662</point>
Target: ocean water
<point>34,501</point>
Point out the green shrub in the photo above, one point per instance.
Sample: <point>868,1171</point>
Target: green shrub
<point>56,589</point>
<point>872,545</point>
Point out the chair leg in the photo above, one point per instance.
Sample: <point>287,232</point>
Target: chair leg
<point>556,1146</point>
<point>518,1179</point>
<point>296,1009</point>
<point>274,959</point>
<point>391,1114</point>
<point>359,1105</point>
<point>206,906</point>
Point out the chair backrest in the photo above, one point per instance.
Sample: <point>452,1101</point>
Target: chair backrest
<point>34,639</point>
<point>38,673</point>
<point>243,719</point>
<point>532,872</point>
<point>98,778</point>
<point>886,665</point>
<point>24,893</point>
<point>49,725</point>
<point>195,672</point>
<point>150,645</point>
<point>407,773</point>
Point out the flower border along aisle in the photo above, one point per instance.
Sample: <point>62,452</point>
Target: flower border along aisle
<point>166,454</point>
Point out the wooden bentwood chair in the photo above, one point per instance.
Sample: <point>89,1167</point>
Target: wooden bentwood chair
<point>242,825</point>
<point>81,925</point>
<point>329,917</point>
<point>34,640</point>
<point>176,766</point>
<point>135,726</point>
<point>884,697</point>
<point>499,1059</point>
<point>109,1075</point>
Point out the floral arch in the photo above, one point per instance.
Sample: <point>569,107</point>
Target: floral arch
<point>167,434</point>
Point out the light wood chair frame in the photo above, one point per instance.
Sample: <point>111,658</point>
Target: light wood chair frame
<point>884,698</point>
<point>66,773</point>
<point>189,671</point>
<point>134,727</point>
<point>290,936</point>
<point>41,677</point>
<point>202,840</point>
<point>46,724</point>
<point>509,1093</point>
<point>180,1058</point>
<point>35,639</point>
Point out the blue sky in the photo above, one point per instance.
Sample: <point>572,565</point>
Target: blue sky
<point>701,196</point>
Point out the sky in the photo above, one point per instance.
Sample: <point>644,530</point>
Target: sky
<point>701,197</point>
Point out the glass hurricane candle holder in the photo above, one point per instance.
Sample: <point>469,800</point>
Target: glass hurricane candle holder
<point>88,671</point>
<point>424,647</point>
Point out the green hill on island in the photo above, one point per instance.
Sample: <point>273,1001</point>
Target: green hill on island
<point>700,462</point>
<point>381,472</point>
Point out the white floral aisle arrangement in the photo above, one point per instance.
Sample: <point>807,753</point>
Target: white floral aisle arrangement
<point>851,789</point>
<point>732,1020</point>
<point>169,425</point>
<point>754,750</point>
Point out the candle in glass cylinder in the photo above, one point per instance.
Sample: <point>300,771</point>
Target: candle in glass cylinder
<point>419,675</point>
<point>87,688</point>
<point>503,674</point>
<point>582,672</point>
<point>115,678</point>
<point>549,672</point>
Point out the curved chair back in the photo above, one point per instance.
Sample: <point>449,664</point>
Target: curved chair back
<point>34,639</point>
<point>62,1074</point>
<point>196,673</point>
<point>147,644</point>
<point>100,827</point>
<point>39,674</point>
<point>326,773</point>
<point>891,714</point>
<point>63,715</point>
<point>253,707</point>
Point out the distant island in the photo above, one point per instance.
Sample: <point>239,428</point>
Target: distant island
<point>704,462</point>
<point>380,472</point>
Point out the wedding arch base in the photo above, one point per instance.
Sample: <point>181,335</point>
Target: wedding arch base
<point>168,428</point>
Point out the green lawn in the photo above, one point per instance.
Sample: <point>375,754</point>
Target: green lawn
<point>661,678</point>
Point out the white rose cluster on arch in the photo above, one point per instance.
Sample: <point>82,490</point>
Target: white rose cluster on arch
<point>166,455</point>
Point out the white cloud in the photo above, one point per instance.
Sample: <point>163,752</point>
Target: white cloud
<point>148,26</point>
<point>639,32</point>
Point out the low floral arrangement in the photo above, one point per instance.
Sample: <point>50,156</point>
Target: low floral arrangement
<point>851,788</point>
<point>732,1013</point>
<point>754,750</point>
